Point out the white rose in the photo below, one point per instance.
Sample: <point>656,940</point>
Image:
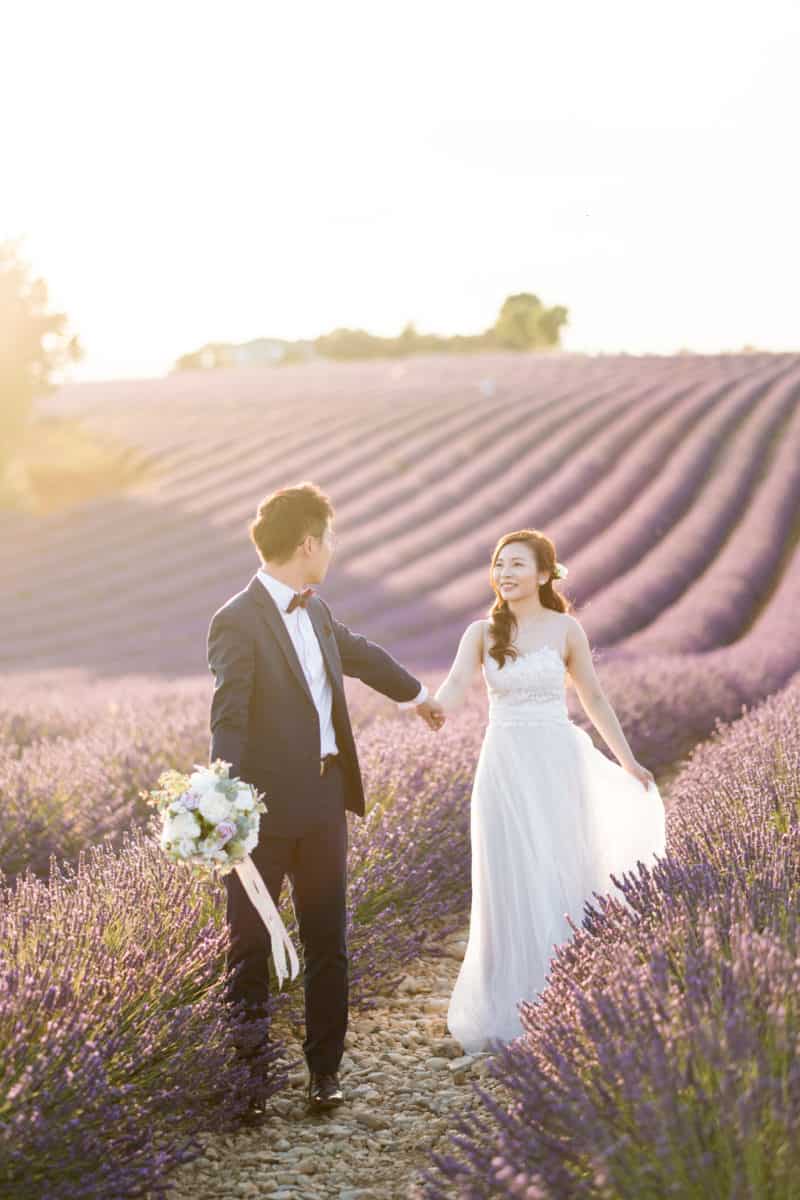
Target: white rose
<point>251,841</point>
<point>244,799</point>
<point>203,780</point>
<point>214,806</point>
<point>182,825</point>
<point>184,848</point>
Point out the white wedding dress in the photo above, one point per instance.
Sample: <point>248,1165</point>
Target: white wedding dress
<point>550,818</point>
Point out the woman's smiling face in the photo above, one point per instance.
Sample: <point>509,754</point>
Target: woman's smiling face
<point>515,572</point>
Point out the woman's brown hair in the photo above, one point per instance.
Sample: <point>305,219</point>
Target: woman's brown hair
<point>286,517</point>
<point>502,622</point>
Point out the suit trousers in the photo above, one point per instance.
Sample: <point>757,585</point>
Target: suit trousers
<point>316,864</point>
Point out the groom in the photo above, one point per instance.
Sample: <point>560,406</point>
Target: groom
<point>279,717</point>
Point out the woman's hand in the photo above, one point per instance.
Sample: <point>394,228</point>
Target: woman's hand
<point>639,772</point>
<point>432,714</point>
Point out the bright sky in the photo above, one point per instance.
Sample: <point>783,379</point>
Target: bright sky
<point>182,172</point>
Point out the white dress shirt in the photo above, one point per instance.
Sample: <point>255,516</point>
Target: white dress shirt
<point>304,639</point>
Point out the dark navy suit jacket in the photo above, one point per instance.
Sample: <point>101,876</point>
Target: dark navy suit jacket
<point>263,719</point>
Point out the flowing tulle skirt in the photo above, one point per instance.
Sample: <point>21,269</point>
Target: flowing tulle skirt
<point>551,818</point>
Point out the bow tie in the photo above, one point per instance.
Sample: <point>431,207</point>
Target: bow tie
<point>300,599</point>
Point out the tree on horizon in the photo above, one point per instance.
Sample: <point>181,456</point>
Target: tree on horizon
<point>34,344</point>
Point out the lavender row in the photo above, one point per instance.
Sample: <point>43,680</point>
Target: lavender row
<point>135,601</point>
<point>661,1057</point>
<point>170,548</point>
<point>63,795</point>
<point>638,596</point>
<point>223,475</point>
<point>665,488</point>
<point>676,488</point>
<point>147,604</point>
<point>668,703</point>
<point>715,608</point>
<point>515,431</point>
<point>576,504</point>
<point>220,477</point>
<point>462,520</point>
<point>45,706</point>
<point>75,754</point>
<point>117,1045</point>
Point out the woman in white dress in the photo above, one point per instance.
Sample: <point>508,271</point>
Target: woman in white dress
<point>551,816</point>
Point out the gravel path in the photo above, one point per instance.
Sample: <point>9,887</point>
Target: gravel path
<point>403,1079</point>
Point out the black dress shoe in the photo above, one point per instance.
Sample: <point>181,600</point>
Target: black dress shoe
<point>324,1092</point>
<point>254,1113</point>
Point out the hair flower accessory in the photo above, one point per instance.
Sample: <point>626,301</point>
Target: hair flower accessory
<point>560,571</point>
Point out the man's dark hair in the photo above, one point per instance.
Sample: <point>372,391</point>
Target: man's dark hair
<point>286,517</point>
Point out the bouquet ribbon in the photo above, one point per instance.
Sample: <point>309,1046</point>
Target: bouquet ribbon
<point>264,905</point>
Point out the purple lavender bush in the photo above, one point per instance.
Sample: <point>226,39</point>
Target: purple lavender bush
<point>75,754</point>
<point>661,1057</point>
<point>39,706</point>
<point>64,794</point>
<point>679,1077</point>
<point>116,1040</point>
<point>114,972</point>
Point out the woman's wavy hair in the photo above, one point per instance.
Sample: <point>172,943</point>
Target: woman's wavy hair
<point>502,622</point>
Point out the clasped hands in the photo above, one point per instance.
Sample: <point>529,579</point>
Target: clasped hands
<point>432,714</point>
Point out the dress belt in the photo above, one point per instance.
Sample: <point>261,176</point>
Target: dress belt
<point>545,712</point>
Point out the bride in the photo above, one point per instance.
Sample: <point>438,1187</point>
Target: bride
<point>551,816</point>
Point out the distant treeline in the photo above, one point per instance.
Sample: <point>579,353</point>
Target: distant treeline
<point>523,323</point>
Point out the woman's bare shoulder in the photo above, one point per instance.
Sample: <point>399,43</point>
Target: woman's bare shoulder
<point>572,624</point>
<point>572,631</point>
<point>479,626</point>
<point>476,634</point>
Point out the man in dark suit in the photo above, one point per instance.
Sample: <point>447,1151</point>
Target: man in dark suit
<point>279,717</point>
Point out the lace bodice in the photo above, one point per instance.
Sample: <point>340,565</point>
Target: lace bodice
<point>527,689</point>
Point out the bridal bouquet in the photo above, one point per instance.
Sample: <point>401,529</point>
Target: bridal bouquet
<point>210,823</point>
<point>209,819</point>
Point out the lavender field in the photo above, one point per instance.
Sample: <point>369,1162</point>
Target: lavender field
<point>661,1058</point>
<point>658,478</point>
